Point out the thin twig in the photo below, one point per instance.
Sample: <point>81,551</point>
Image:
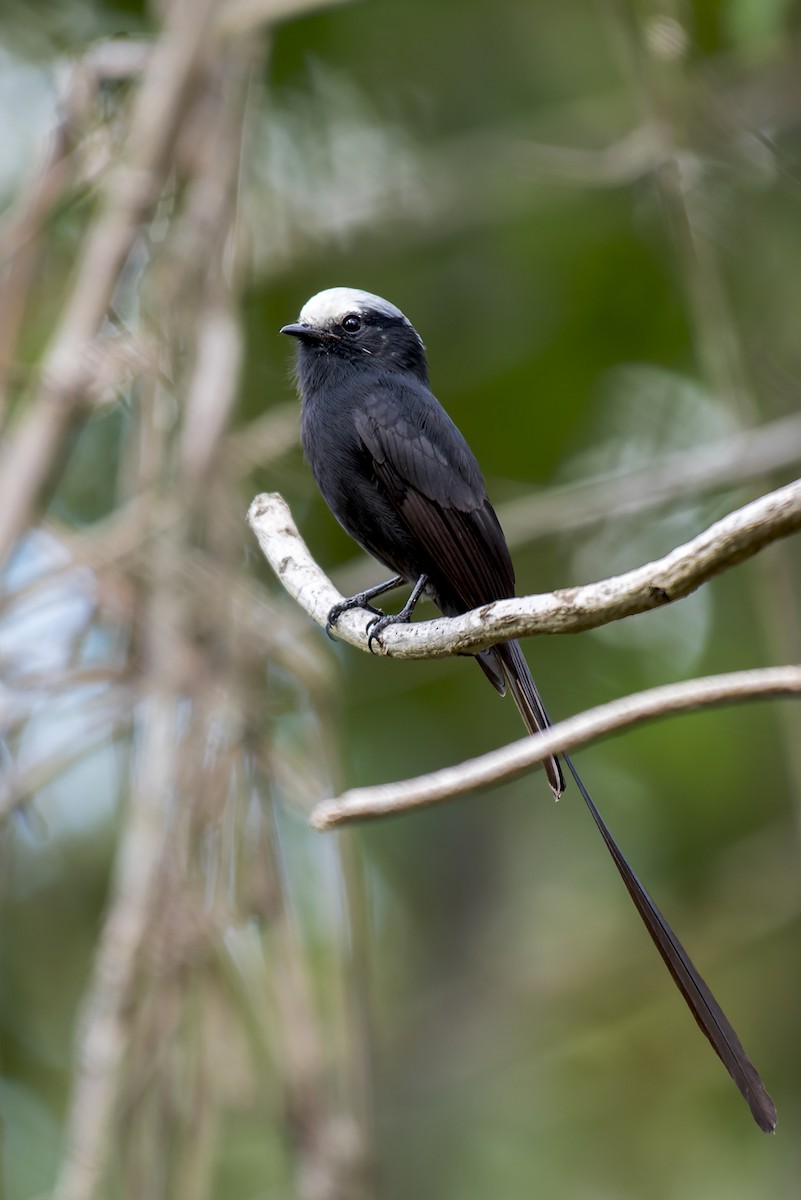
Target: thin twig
<point>519,757</point>
<point>736,537</point>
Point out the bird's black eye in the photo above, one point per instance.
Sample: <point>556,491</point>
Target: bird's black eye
<point>351,323</point>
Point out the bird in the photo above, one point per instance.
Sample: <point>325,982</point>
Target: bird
<point>400,478</point>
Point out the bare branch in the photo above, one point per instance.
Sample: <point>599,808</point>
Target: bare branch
<point>519,757</point>
<point>736,537</point>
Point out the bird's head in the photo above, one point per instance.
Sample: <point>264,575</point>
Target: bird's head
<point>359,328</point>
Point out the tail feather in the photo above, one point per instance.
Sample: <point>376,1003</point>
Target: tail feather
<point>702,1004</point>
<point>491,666</point>
<point>529,705</point>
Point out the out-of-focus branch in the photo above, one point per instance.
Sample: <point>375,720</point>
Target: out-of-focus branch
<point>118,537</point>
<point>519,757</point>
<point>213,389</point>
<point>106,61</point>
<point>106,1011</point>
<point>736,537</point>
<point>129,195</point>
<point>263,439</point>
<point>17,786</point>
<point>239,16</point>
<point>740,458</point>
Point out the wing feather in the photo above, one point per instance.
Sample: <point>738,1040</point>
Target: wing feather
<point>433,481</point>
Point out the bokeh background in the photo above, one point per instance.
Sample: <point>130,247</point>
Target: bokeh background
<point>591,212</point>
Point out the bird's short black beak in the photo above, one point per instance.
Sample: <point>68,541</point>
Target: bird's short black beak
<point>297,330</point>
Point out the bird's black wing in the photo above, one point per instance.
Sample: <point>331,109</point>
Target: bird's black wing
<point>431,477</point>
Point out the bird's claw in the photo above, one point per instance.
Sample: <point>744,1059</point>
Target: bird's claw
<point>378,624</point>
<point>336,611</point>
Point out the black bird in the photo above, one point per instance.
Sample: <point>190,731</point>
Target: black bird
<point>402,481</point>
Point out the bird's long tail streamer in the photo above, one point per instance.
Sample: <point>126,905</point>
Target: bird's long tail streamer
<point>702,1004</point>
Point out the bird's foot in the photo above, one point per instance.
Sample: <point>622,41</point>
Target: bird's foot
<point>358,601</point>
<point>378,624</point>
<point>362,600</point>
<point>381,622</point>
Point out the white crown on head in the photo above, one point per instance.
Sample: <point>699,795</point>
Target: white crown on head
<point>330,306</point>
